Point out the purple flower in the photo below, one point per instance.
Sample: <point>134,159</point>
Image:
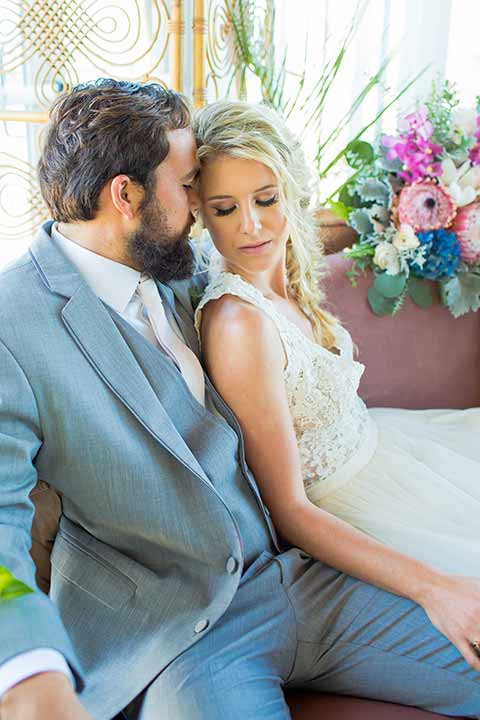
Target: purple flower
<point>414,149</point>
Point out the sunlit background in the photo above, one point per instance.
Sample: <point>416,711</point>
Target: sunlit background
<point>126,38</point>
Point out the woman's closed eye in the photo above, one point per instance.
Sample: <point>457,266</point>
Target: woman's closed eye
<point>221,212</point>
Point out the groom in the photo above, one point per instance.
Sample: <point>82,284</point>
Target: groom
<point>171,595</point>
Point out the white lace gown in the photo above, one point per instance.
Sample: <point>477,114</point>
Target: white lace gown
<point>409,478</point>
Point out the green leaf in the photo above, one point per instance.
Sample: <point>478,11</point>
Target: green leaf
<point>399,301</point>
<point>10,587</point>
<point>360,252</point>
<point>340,209</point>
<point>390,286</point>
<point>380,305</point>
<point>359,153</point>
<point>420,292</point>
<point>462,293</point>
<point>348,197</point>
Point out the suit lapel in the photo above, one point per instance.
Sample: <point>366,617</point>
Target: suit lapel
<point>97,336</point>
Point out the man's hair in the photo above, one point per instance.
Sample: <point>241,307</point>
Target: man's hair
<point>102,129</point>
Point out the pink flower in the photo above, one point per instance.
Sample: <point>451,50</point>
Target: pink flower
<point>474,154</point>
<point>414,149</point>
<point>425,206</point>
<point>466,226</point>
<point>417,123</point>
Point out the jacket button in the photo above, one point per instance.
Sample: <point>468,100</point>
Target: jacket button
<point>232,565</point>
<point>201,626</point>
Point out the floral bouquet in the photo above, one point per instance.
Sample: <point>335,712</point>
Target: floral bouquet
<point>414,203</point>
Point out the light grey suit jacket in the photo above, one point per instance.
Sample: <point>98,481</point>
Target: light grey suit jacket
<point>141,554</point>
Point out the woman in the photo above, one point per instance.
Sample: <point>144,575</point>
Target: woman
<point>390,496</point>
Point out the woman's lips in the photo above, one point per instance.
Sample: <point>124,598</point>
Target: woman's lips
<point>254,249</point>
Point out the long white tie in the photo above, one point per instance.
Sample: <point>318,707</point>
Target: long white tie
<point>186,360</point>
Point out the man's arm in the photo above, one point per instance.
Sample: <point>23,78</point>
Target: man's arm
<point>31,621</point>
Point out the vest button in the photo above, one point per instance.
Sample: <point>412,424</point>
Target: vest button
<point>232,565</point>
<point>201,626</point>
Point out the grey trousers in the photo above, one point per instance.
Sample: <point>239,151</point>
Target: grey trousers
<point>296,623</point>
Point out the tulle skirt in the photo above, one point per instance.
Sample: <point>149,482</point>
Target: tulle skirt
<point>415,485</point>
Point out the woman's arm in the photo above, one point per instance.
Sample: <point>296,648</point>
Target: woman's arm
<point>245,360</point>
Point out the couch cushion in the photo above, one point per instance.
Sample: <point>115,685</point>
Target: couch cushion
<point>316,706</point>
<point>421,358</point>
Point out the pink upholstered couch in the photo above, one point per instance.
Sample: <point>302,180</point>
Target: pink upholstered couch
<point>418,359</point>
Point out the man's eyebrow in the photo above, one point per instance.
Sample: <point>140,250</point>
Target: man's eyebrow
<point>228,197</point>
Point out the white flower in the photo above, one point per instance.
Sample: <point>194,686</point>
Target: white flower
<point>461,196</point>
<point>405,239</point>
<point>464,120</point>
<point>471,176</point>
<point>386,257</point>
<point>449,172</point>
<point>461,183</point>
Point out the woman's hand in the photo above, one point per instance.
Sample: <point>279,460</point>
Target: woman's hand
<point>452,602</point>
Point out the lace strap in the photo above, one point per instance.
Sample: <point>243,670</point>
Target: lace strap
<point>229,284</point>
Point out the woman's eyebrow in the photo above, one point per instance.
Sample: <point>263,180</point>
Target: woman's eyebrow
<point>227,197</point>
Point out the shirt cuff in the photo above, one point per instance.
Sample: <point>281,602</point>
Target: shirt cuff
<point>31,663</point>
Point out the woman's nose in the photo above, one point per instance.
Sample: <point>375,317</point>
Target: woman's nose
<point>250,221</point>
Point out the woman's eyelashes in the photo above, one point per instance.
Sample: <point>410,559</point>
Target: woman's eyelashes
<point>221,212</point>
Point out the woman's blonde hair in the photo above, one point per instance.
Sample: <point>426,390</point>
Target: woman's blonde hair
<point>256,132</point>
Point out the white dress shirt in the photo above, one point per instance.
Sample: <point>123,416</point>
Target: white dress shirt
<point>116,285</point>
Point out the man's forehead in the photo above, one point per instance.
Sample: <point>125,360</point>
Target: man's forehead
<point>182,140</point>
<point>183,152</point>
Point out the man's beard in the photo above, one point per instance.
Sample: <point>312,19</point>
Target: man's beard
<point>156,250</point>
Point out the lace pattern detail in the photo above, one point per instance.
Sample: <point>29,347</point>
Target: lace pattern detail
<point>329,418</point>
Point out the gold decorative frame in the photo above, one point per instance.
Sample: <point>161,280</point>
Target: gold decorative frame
<point>51,45</point>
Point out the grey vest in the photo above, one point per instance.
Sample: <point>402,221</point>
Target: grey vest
<point>214,438</point>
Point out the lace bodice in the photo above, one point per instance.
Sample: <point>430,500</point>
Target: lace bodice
<point>328,416</point>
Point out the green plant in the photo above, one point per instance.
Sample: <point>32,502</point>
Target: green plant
<point>253,25</point>
<point>10,587</point>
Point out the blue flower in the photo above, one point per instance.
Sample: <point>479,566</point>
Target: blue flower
<point>442,253</point>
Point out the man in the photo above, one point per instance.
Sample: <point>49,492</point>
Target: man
<point>171,595</point>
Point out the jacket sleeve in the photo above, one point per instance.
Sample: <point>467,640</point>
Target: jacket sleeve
<point>31,621</point>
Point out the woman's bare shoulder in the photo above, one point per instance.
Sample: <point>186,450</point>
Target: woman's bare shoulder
<point>238,329</point>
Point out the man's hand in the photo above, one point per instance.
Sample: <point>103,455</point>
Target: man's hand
<point>46,696</point>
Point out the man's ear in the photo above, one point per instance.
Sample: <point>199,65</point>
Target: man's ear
<point>126,195</point>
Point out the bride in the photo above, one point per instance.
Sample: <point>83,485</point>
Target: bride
<point>390,496</point>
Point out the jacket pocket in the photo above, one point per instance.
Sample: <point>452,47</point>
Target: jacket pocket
<point>91,573</point>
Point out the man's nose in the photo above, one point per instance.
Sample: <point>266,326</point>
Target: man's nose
<point>193,201</point>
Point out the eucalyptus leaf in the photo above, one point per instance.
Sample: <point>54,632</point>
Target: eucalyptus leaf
<point>390,286</point>
<point>349,197</point>
<point>10,587</point>
<point>380,305</point>
<point>420,292</point>
<point>359,153</point>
